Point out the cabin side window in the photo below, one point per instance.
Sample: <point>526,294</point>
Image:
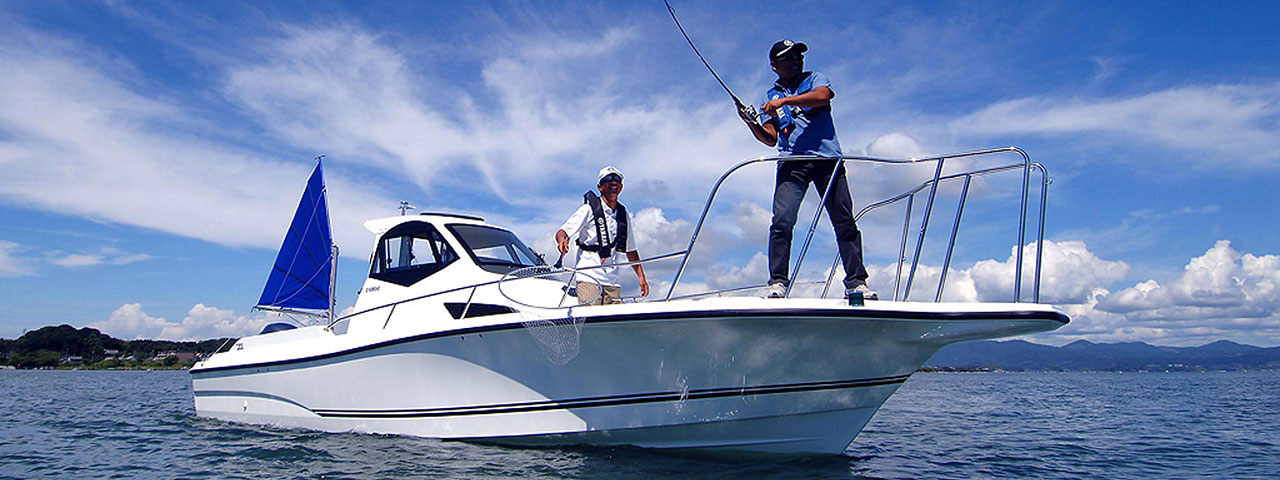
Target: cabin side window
<point>411,252</point>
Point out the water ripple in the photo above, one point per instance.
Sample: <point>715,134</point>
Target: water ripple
<point>1053,425</point>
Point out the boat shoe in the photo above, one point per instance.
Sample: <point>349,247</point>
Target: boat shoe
<point>867,292</point>
<point>776,290</point>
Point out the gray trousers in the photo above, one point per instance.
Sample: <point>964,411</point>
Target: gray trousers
<point>793,180</point>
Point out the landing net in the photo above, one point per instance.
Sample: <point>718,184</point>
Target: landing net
<point>553,327</point>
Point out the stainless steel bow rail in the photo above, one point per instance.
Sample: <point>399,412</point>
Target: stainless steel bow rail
<point>1026,166</point>
<point>932,185</point>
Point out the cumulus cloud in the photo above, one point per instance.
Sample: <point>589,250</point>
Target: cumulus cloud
<point>755,272</point>
<point>884,279</point>
<point>129,321</point>
<point>201,323</point>
<point>752,220</point>
<point>1221,284</point>
<point>1070,272</point>
<point>896,145</point>
<point>1221,294</point>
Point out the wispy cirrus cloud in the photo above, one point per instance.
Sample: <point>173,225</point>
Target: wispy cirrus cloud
<point>104,256</point>
<point>12,260</point>
<point>77,139</point>
<point>1230,122</point>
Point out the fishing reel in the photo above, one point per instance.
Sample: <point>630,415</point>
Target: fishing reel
<point>749,113</point>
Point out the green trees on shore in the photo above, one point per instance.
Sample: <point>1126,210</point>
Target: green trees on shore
<point>67,346</point>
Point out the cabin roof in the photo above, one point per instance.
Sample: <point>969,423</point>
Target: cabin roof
<point>381,225</point>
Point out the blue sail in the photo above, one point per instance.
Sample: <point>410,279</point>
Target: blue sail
<point>303,270</point>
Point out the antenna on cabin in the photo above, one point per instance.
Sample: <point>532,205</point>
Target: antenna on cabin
<point>405,206</point>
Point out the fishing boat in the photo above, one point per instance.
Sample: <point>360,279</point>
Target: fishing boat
<point>461,332</point>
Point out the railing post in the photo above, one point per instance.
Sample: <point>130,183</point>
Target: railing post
<point>467,308</point>
<point>1022,225</point>
<point>832,273</point>
<point>924,226</point>
<point>955,228</point>
<point>902,247</point>
<point>1044,195</point>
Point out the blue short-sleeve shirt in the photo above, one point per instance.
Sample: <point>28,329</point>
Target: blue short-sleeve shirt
<point>803,131</point>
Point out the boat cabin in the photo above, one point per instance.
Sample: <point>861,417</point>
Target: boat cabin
<point>433,252</point>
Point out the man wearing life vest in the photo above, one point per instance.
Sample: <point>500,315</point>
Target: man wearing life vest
<point>602,229</point>
<point>795,117</point>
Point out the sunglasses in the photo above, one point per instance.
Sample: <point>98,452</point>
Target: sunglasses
<point>790,58</point>
<point>610,178</point>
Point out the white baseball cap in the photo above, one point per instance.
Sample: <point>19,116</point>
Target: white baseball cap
<point>609,170</point>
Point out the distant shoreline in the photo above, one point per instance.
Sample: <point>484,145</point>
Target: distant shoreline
<point>88,369</point>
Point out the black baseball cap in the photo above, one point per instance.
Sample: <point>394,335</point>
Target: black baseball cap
<point>784,47</point>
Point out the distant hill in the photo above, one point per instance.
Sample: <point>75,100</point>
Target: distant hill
<point>1117,357</point>
<point>68,346</point>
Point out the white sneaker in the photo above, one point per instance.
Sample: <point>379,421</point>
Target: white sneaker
<point>867,292</point>
<point>776,290</point>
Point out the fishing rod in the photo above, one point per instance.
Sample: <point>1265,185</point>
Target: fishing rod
<point>749,110</point>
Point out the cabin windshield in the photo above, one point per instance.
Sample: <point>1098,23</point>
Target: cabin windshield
<point>410,252</point>
<point>494,249</point>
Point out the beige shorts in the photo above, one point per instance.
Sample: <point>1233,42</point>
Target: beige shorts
<point>587,290</point>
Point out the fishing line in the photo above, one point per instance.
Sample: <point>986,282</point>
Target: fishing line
<point>749,109</point>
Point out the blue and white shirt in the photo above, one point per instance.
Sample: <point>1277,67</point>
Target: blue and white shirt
<point>803,131</point>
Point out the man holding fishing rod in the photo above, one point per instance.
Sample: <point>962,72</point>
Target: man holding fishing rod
<point>795,116</point>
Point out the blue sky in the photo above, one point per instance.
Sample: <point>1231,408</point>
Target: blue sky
<point>152,153</point>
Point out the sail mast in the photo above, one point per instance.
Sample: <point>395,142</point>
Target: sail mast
<point>333,256</point>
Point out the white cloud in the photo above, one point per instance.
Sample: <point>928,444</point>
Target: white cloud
<point>1234,122</point>
<point>77,260</point>
<point>12,263</point>
<point>1070,273</point>
<point>755,272</point>
<point>924,287</point>
<point>129,321</point>
<point>896,145</point>
<point>201,323</point>
<point>1221,294</point>
<point>105,255</point>
<point>752,220</point>
<point>80,138</point>
<point>658,235</point>
<point>526,126</point>
<point>1222,284</point>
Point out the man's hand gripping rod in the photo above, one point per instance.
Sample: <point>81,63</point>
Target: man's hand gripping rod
<point>747,112</point>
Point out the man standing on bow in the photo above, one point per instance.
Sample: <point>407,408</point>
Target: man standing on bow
<point>602,228</point>
<point>796,118</point>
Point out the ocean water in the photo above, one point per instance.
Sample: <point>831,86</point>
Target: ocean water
<point>82,425</point>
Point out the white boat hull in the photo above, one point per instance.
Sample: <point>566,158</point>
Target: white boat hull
<point>747,374</point>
